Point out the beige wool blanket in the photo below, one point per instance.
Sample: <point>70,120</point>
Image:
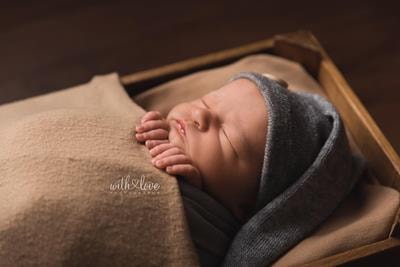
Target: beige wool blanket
<point>77,190</point>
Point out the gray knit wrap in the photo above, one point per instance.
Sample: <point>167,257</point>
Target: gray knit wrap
<point>308,169</point>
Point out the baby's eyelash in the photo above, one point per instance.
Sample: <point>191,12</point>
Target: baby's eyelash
<point>204,103</point>
<point>226,136</point>
<point>222,128</point>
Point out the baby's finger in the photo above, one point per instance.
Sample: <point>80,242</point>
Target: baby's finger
<point>181,169</point>
<point>169,151</point>
<point>151,115</point>
<point>150,144</point>
<point>160,149</point>
<point>157,134</point>
<point>171,160</point>
<point>188,171</point>
<point>151,125</point>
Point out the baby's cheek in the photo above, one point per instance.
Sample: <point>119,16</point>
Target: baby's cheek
<point>209,163</point>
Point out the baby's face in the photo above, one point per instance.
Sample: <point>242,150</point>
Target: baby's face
<point>224,134</point>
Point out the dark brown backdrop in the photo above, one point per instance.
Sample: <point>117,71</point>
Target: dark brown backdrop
<point>50,45</point>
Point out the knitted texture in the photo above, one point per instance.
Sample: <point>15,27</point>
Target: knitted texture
<point>308,169</point>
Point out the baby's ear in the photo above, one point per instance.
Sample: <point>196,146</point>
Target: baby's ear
<point>281,82</point>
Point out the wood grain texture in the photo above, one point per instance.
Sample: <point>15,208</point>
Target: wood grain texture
<point>303,47</point>
<point>363,256</point>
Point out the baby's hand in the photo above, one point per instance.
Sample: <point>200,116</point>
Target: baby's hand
<point>176,162</point>
<point>153,129</point>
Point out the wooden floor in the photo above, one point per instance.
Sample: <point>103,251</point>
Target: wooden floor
<point>50,45</point>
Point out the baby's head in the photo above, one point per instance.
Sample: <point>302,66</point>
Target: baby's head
<point>224,134</point>
<point>250,139</point>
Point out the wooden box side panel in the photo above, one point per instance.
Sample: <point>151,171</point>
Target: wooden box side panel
<point>383,252</point>
<point>141,81</point>
<point>382,158</point>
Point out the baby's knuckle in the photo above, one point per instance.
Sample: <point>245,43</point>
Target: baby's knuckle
<point>160,163</point>
<point>146,116</point>
<point>153,114</point>
<point>152,124</point>
<point>145,124</point>
<point>174,150</point>
<point>159,148</point>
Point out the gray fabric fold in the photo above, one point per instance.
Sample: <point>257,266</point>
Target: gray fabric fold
<point>212,226</point>
<point>308,170</point>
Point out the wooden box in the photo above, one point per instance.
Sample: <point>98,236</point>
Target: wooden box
<point>303,47</point>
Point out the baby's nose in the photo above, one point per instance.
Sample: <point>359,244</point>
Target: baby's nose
<point>202,117</point>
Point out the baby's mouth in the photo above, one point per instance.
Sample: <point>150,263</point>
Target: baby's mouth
<point>180,127</point>
<point>178,131</point>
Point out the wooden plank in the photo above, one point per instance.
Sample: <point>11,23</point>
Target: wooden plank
<point>370,140</point>
<point>358,253</point>
<point>180,68</point>
<point>373,144</point>
<point>299,47</point>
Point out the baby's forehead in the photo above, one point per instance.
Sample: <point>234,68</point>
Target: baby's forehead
<point>242,108</point>
<point>236,90</point>
<point>218,94</point>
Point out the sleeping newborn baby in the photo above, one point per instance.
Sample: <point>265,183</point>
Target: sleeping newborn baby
<point>215,142</point>
<point>278,160</point>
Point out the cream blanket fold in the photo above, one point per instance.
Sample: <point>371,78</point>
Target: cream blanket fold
<point>77,190</point>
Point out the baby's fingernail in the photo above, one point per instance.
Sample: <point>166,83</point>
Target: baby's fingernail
<point>139,128</point>
<point>168,168</point>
